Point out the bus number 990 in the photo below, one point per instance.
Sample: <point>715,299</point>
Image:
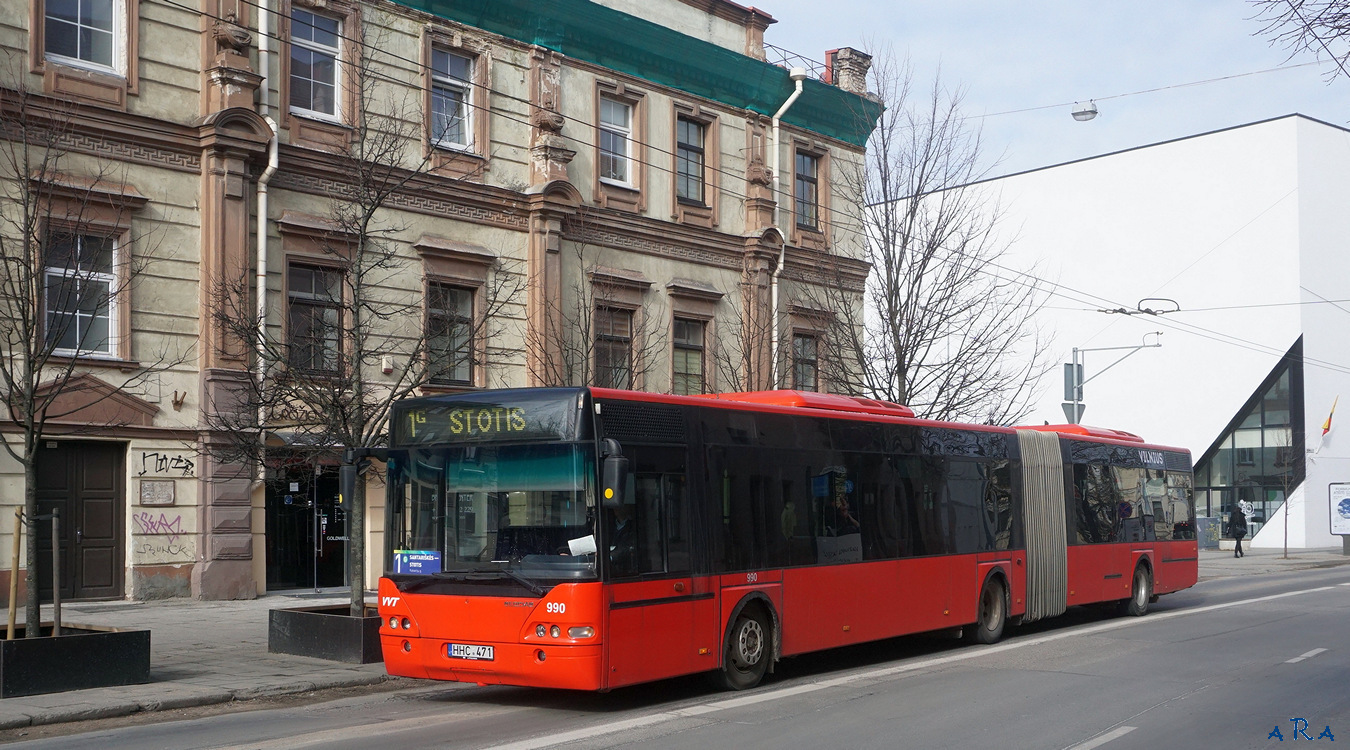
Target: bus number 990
<point>555,607</point>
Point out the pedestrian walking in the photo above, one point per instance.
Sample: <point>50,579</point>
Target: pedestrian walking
<point>1237,527</point>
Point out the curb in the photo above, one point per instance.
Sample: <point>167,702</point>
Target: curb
<point>36,716</point>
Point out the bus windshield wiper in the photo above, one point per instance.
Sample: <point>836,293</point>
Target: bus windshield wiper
<point>531,586</point>
<point>431,578</point>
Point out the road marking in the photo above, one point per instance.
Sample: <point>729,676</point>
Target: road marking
<point>325,737</point>
<point>1308,655</point>
<point>1100,740</point>
<point>967,654</point>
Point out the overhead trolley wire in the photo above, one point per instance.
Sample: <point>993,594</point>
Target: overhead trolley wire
<point>1052,288</point>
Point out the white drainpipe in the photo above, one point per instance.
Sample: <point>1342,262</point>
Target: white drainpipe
<point>264,96</point>
<point>798,75</point>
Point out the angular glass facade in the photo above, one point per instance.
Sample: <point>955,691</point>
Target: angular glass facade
<point>1259,456</point>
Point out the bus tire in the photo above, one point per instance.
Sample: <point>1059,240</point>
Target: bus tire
<point>1140,594</point>
<point>992,611</point>
<point>748,650</point>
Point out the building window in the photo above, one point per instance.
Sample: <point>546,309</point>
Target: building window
<point>83,33</point>
<point>315,53</point>
<point>451,99</point>
<point>689,160</point>
<point>613,348</point>
<point>688,355</point>
<point>314,318</point>
<point>807,190</point>
<point>450,334</point>
<point>79,284</point>
<point>804,369</point>
<point>616,144</point>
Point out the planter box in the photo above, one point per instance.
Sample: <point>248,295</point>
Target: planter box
<point>325,633</point>
<point>83,656</point>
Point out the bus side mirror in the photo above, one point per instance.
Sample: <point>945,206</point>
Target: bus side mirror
<point>613,479</point>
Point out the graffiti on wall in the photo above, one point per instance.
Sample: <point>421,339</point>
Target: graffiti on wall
<point>164,463</point>
<point>161,539</point>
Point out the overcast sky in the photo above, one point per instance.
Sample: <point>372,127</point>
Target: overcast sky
<point>1011,56</point>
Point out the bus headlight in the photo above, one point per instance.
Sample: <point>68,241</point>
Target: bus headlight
<point>406,624</point>
<point>540,631</point>
<point>555,631</point>
<point>585,631</point>
<point>393,623</point>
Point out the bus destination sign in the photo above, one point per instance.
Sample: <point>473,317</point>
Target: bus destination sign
<point>476,422</point>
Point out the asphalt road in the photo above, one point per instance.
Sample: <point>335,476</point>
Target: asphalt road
<point>1220,665</point>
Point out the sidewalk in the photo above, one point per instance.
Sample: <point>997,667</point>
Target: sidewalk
<point>215,652</point>
<point>201,653</point>
<point>1221,563</point>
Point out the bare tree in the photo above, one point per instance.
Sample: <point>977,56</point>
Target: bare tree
<point>945,327</point>
<point>358,341</point>
<point>735,364</point>
<point>1316,26</point>
<point>589,336</point>
<point>68,262</point>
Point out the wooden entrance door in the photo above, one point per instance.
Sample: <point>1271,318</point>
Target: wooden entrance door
<point>85,481</point>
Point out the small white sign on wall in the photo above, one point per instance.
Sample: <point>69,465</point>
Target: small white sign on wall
<point>157,492</point>
<point>1340,508</point>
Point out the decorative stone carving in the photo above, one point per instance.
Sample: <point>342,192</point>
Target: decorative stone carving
<point>549,153</point>
<point>230,36</point>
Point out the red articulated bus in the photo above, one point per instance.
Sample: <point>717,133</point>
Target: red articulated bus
<point>587,538</point>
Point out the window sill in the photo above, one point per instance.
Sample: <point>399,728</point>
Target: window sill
<point>811,238</point>
<point>694,213</point>
<point>447,388</point>
<point>94,360</point>
<point>102,88</point>
<point>614,194</point>
<point>316,132</point>
<point>457,162</point>
<point>293,373</point>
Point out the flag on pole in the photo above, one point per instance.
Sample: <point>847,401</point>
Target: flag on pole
<point>1326,426</point>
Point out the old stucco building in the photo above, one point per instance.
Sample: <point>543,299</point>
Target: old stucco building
<point>602,179</point>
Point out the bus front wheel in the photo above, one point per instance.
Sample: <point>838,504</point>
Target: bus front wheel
<point>748,650</point>
<point>992,611</point>
<point>1140,594</point>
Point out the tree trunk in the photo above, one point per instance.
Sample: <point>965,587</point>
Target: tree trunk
<point>32,613</point>
<point>356,538</point>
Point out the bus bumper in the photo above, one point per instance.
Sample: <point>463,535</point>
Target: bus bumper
<point>561,666</point>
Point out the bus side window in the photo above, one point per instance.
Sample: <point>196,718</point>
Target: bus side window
<point>658,540</point>
<point>998,503</point>
<point>1179,503</point>
<point>1135,525</point>
<point>1155,499</point>
<point>1096,502</point>
<point>965,496</point>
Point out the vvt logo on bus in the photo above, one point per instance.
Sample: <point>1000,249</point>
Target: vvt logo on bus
<point>389,601</point>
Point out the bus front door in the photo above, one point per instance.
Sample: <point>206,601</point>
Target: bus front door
<point>654,601</point>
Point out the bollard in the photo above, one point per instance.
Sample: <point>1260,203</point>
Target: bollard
<point>56,571</point>
<point>14,573</point>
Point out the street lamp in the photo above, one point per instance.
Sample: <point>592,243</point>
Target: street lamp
<point>1084,112</point>
<point>1073,374</point>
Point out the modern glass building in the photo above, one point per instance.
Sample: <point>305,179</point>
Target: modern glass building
<point>1259,456</point>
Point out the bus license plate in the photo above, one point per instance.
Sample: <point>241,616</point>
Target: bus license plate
<point>466,651</point>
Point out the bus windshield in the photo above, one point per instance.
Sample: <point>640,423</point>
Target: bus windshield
<point>526,509</point>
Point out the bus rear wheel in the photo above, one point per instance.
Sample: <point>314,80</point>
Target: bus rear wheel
<point>992,612</point>
<point>1140,594</point>
<point>748,650</point>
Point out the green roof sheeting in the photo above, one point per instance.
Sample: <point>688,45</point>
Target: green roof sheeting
<point>587,31</point>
